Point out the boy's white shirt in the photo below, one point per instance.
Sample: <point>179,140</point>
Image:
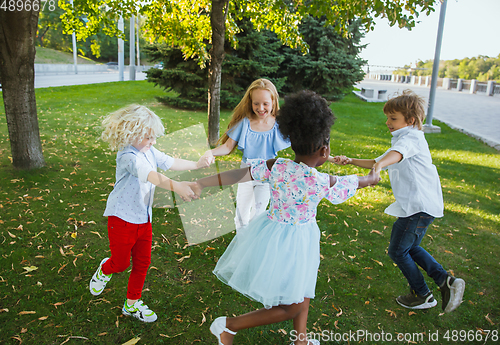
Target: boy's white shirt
<point>132,196</point>
<point>414,180</point>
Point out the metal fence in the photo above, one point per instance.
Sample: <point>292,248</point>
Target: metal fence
<point>471,86</point>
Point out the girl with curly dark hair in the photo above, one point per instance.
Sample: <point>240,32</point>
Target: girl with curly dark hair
<point>275,260</point>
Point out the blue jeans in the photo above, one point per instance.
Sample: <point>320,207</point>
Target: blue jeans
<point>405,251</point>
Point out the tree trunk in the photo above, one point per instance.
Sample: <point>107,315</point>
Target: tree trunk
<point>218,22</point>
<point>17,72</point>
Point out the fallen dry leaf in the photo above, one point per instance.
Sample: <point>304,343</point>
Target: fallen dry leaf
<point>489,320</point>
<point>30,269</point>
<point>98,234</point>
<point>377,232</point>
<point>58,304</point>
<point>184,257</point>
<point>167,336</point>
<point>132,341</point>
<point>378,262</point>
<point>43,318</point>
<point>61,268</point>
<point>26,312</point>
<point>391,313</point>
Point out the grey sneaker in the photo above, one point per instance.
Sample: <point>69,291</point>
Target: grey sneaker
<point>452,292</point>
<point>414,301</point>
<point>140,311</point>
<point>99,280</point>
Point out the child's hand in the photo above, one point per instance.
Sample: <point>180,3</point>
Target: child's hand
<point>196,188</point>
<point>369,180</point>
<point>205,160</point>
<point>377,168</point>
<point>374,177</point>
<point>342,160</point>
<point>184,190</point>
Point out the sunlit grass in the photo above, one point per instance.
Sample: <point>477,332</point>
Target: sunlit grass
<point>52,219</point>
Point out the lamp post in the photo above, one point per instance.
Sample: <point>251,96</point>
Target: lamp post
<point>120,51</point>
<point>428,127</point>
<point>75,52</point>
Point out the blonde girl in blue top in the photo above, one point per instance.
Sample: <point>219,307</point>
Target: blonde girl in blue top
<point>275,260</point>
<point>133,131</point>
<point>254,131</point>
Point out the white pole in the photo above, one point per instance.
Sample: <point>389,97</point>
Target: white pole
<point>75,52</point>
<point>132,49</point>
<point>138,53</point>
<point>120,51</point>
<point>428,127</point>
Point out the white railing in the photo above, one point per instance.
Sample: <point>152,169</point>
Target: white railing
<point>490,87</point>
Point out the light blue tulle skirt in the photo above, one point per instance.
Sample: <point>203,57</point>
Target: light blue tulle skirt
<point>272,263</point>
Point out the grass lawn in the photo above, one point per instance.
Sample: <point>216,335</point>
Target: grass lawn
<point>51,56</point>
<point>53,236</point>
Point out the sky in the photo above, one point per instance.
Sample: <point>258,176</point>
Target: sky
<point>470,29</point>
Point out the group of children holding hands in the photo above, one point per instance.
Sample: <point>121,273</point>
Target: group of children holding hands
<point>274,256</point>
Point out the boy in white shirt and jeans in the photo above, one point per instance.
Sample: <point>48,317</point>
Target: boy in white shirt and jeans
<point>417,189</point>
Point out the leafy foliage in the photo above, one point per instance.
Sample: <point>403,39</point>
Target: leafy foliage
<point>183,76</point>
<point>186,24</point>
<point>257,56</point>
<point>332,65</point>
<point>482,68</point>
<point>330,68</point>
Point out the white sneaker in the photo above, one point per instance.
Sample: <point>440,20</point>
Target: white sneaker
<point>99,280</point>
<point>140,311</point>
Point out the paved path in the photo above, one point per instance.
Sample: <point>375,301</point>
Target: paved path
<point>82,78</point>
<point>477,115</point>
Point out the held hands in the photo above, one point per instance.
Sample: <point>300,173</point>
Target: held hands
<point>185,191</point>
<point>207,159</point>
<point>196,188</point>
<point>373,177</point>
<point>369,180</point>
<point>377,167</point>
<point>342,160</point>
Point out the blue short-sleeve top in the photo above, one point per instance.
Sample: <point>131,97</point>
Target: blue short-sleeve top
<point>253,144</point>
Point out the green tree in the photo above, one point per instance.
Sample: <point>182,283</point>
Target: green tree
<point>50,31</point>
<point>187,24</point>
<point>256,56</point>
<point>332,64</point>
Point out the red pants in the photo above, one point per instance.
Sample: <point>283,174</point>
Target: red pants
<point>125,240</point>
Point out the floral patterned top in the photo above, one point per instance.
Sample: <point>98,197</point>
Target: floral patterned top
<point>297,189</point>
